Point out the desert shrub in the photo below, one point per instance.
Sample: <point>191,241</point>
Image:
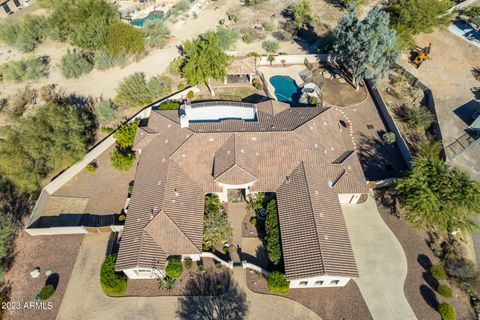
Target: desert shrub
<point>278,283</point>
<point>418,118</point>
<point>272,230</point>
<point>46,292</point>
<point>91,167</point>
<point>226,37</point>
<point>271,46</point>
<point>169,105</point>
<point>156,33</point>
<point>174,268</point>
<point>176,65</point>
<point>21,101</point>
<point>104,60</point>
<point>133,91</point>
<point>125,135</point>
<point>269,26</point>
<point>22,70</point>
<point>182,5</point>
<point>24,35</point>
<point>446,311</point>
<point>91,34</point>
<point>122,160</point>
<point>166,283</point>
<point>7,231</point>
<point>105,112</point>
<point>54,137</point>
<point>75,64</point>
<point>253,221</point>
<point>190,95</point>
<point>445,291</point>
<point>389,137</point>
<point>247,38</point>
<point>438,272</point>
<point>158,87</point>
<point>124,36</point>
<point>188,263</point>
<point>113,283</point>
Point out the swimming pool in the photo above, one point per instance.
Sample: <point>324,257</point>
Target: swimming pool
<point>154,15</point>
<point>286,89</point>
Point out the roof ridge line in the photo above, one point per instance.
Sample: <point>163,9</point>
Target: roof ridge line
<point>314,220</point>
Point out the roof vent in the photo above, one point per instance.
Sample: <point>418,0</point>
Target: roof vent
<point>326,237</point>
<point>330,183</point>
<point>287,178</point>
<point>242,151</point>
<point>210,139</point>
<point>166,140</point>
<point>177,194</point>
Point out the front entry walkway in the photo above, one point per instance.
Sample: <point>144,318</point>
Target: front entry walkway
<point>381,262</point>
<point>84,298</point>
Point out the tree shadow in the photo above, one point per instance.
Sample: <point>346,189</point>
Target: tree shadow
<point>212,296</point>
<point>429,296</point>
<point>431,281</point>
<point>424,261</point>
<point>388,200</point>
<point>53,279</point>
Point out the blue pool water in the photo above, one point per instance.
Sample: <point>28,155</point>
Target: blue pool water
<point>157,15</point>
<point>285,89</point>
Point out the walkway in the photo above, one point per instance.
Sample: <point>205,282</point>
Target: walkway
<point>84,298</point>
<point>381,262</point>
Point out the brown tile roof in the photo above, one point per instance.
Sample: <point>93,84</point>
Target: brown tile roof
<point>178,166</point>
<point>242,66</point>
<point>313,232</point>
<point>272,107</point>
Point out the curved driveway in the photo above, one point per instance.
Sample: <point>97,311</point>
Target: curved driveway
<point>381,262</point>
<point>84,298</point>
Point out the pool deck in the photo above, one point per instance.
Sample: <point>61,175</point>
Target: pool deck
<point>292,71</point>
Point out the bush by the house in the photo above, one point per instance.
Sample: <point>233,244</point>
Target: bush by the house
<point>169,105</point>
<point>105,112</point>
<point>113,283</point>
<point>190,95</point>
<point>158,87</point>
<point>122,160</point>
<point>277,283</point>
<point>188,263</point>
<point>46,292</point>
<point>76,64</point>
<point>125,135</point>
<point>174,268</point>
<point>389,137</point>
<point>123,36</point>
<point>166,283</point>
<point>258,84</point>
<point>272,230</point>
<point>446,311</point>
<point>271,46</point>
<point>445,291</point>
<point>91,167</point>
<point>23,70</point>
<point>438,272</point>
<point>135,90</point>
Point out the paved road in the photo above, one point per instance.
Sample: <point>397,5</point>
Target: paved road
<point>381,262</point>
<point>84,298</point>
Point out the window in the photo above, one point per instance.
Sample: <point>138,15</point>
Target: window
<point>335,282</point>
<point>142,272</point>
<point>303,283</point>
<point>319,283</point>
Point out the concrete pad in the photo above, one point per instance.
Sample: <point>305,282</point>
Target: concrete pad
<point>381,262</point>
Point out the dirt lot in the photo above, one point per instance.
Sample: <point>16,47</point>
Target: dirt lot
<point>329,303</point>
<point>57,253</point>
<point>419,287</point>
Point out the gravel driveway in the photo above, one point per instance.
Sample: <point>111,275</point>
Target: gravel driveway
<point>381,262</point>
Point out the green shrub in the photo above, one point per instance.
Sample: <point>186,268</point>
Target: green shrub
<point>158,87</point>
<point>22,70</point>
<point>21,101</point>
<point>75,64</point>
<point>253,221</point>
<point>24,35</point>
<point>174,268</point>
<point>104,60</point>
<point>169,105</point>
<point>91,167</point>
<point>166,283</point>
<point>227,37</point>
<point>271,46</point>
<point>277,283</point>
<point>269,26</point>
<point>188,263</point>
<point>125,135</point>
<point>133,91</point>
<point>124,36</point>
<point>419,118</point>
<point>190,95</point>
<point>446,311</point>
<point>445,291</point>
<point>113,283</point>
<point>272,230</point>
<point>156,33</point>
<point>46,292</point>
<point>226,250</point>
<point>438,272</point>
<point>176,65</point>
<point>105,112</point>
<point>389,137</point>
<point>247,38</point>
<point>122,160</point>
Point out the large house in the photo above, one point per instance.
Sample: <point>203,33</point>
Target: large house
<point>305,155</point>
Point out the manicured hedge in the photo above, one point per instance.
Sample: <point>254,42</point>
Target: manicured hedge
<point>113,283</point>
<point>446,311</point>
<point>277,283</point>
<point>438,272</point>
<point>174,268</point>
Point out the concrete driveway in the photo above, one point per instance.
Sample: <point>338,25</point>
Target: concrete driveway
<point>381,262</point>
<point>84,298</point>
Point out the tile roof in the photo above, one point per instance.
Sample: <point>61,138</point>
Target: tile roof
<point>242,66</point>
<point>313,232</point>
<point>177,166</point>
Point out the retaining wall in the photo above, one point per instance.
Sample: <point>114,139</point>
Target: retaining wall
<point>294,59</point>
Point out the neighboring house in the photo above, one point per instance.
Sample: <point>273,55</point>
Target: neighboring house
<point>301,154</point>
<point>241,70</point>
<point>10,6</point>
